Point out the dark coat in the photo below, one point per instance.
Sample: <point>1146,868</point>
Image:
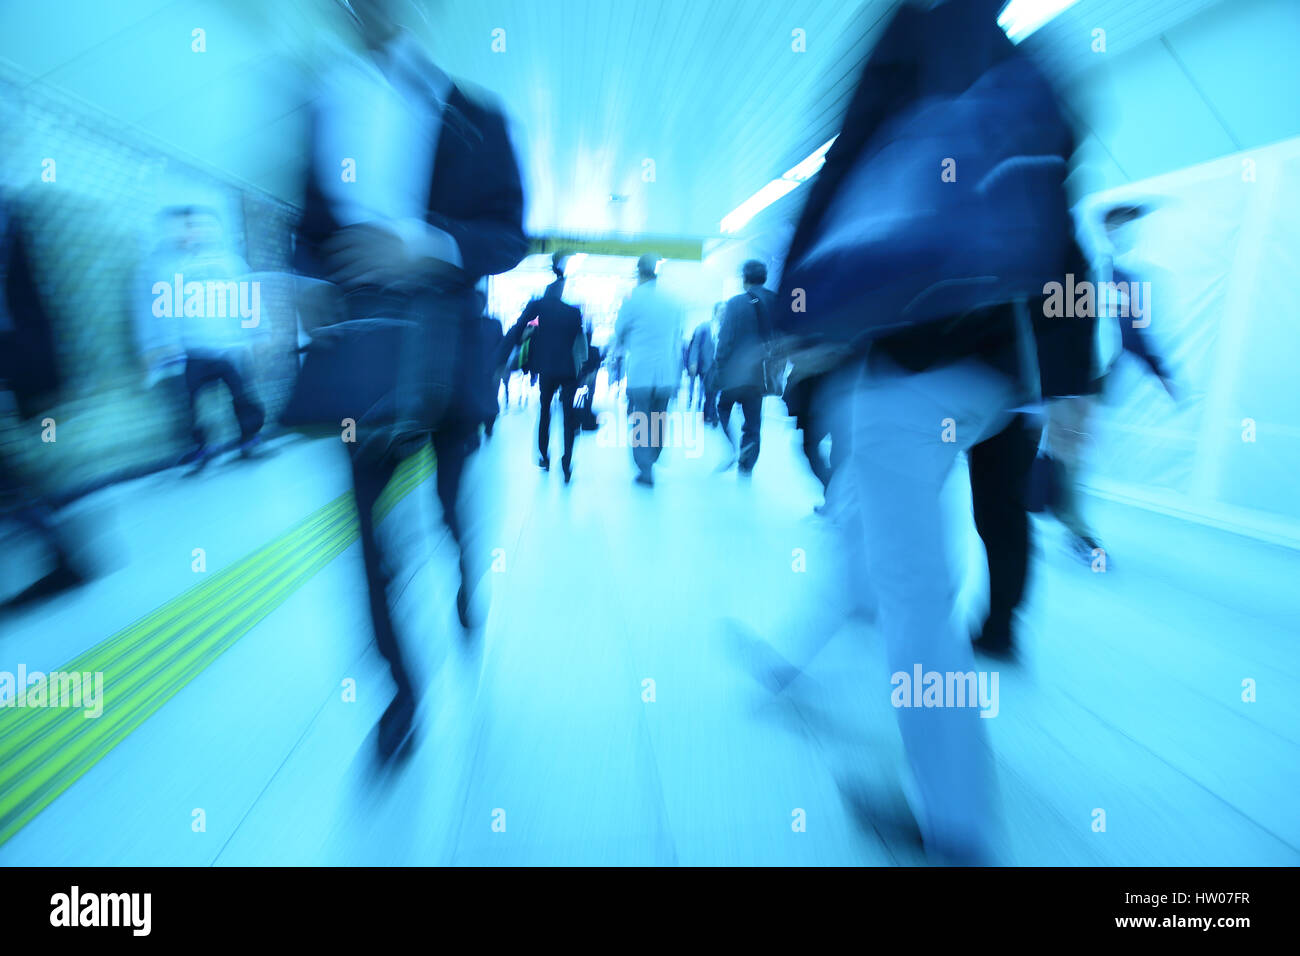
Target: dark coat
<point>701,351</point>
<point>475,196</point>
<point>923,53</point>
<point>743,339</point>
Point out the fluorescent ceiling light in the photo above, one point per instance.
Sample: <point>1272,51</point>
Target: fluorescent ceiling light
<point>802,171</point>
<point>1023,17</point>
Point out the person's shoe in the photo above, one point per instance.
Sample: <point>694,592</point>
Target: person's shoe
<point>62,579</point>
<point>744,472</point>
<point>567,468</point>
<point>994,639</point>
<point>396,723</point>
<point>1083,546</point>
<point>964,853</point>
<point>206,454</point>
<point>764,663</point>
<point>996,646</point>
<point>193,455</point>
<point>462,608</point>
<point>645,479</point>
<point>544,463</point>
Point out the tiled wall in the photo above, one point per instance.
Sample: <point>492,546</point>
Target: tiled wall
<point>90,229</point>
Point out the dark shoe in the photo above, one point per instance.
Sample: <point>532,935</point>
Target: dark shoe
<point>568,471</point>
<point>1083,548</point>
<point>1001,648</point>
<point>544,463</point>
<point>462,608</point>
<point>880,810</point>
<point>963,853</point>
<point>62,579</point>
<point>396,723</point>
<point>193,455</point>
<point>200,462</point>
<point>645,479</point>
<point>761,660</point>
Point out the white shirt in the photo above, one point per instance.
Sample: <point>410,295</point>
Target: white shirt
<point>649,332</point>
<point>384,112</point>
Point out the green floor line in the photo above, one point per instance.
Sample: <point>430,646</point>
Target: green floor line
<point>43,750</point>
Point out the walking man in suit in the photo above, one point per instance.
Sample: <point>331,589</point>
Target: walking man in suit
<point>557,352</point>
<point>413,195</point>
<point>742,349</point>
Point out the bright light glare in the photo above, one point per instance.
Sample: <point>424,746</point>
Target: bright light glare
<point>802,171</point>
<point>1023,17</point>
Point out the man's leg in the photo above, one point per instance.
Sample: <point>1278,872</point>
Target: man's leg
<point>548,388</point>
<point>249,413</point>
<point>1067,437</point>
<point>23,506</point>
<point>999,478</point>
<point>900,462</point>
<point>568,394</point>
<point>198,372</point>
<point>812,450</point>
<point>639,406</point>
<point>451,448</point>
<point>751,404</point>
<point>710,403</point>
<point>369,479</point>
<point>659,399</point>
<point>726,400</point>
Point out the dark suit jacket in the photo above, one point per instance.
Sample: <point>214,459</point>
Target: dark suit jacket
<point>550,350</point>
<point>743,339</point>
<point>921,53</point>
<point>701,350</point>
<point>476,196</point>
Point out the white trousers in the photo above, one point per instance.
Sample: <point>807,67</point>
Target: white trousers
<point>907,432</point>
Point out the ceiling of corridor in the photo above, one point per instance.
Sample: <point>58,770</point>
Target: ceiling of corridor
<point>710,92</point>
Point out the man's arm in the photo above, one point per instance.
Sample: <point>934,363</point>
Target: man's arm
<point>623,324</point>
<point>493,240</point>
<point>511,340</point>
<point>727,332</point>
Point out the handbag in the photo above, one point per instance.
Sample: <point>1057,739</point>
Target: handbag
<point>392,374</point>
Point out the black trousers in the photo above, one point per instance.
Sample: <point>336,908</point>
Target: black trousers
<point>451,447</point>
<point>999,480</point>
<point>201,369</point>
<point>567,387</point>
<point>23,506</point>
<point>702,386</point>
<point>750,400</point>
<point>813,421</point>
